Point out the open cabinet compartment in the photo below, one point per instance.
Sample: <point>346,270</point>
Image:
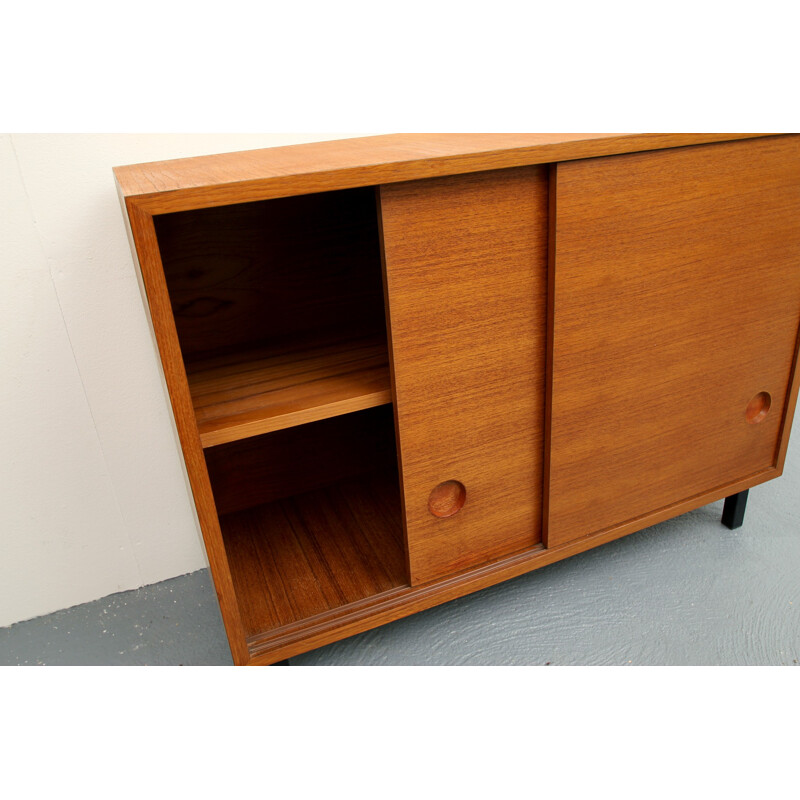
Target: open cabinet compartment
<point>279,311</point>
<point>311,518</point>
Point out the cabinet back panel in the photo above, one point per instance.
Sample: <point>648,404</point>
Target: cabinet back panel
<point>297,561</point>
<point>274,271</point>
<point>265,468</point>
<point>466,270</point>
<point>677,302</point>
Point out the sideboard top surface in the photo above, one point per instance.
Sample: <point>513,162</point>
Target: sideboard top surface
<point>182,184</point>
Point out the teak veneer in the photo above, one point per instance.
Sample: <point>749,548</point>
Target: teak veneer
<point>404,368</point>
<point>245,394</point>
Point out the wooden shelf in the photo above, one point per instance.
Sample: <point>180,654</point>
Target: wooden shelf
<point>258,391</point>
<point>295,559</point>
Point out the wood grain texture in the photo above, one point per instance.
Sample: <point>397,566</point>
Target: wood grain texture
<point>274,272</point>
<point>676,301</point>
<point>466,264</point>
<point>257,391</point>
<point>180,184</point>
<point>262,469</point>
<point>297,558</point>
<point>148,260</point>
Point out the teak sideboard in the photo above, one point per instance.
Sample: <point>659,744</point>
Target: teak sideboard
<point>404,368</point>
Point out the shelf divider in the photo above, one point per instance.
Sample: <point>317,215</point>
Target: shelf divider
<point>263,390</point>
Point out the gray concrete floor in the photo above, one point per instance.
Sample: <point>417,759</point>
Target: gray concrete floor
<point>172,622</point>
<point>685,592</point>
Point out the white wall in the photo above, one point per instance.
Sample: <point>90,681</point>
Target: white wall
<point>93,496</point>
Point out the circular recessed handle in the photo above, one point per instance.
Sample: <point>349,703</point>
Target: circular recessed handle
<point>758,408</point>
<point>447,499</point>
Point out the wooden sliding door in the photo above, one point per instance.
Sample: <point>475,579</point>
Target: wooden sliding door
<point>676,303</point>
<point>466,270</point>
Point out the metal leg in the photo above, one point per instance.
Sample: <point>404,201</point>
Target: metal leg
<point>733,511</point>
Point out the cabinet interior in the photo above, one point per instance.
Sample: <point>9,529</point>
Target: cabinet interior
<point>310,517</point>
<point>279,311</point>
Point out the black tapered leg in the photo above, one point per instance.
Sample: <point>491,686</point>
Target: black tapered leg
<point>284,663</point>
<point>733,511</point>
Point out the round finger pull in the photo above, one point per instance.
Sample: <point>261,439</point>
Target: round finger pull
<point>447,499</point>
<point>758,408</point>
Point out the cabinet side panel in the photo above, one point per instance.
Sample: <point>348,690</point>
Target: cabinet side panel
<point>676,310</point>
<point>149,260</point>
<point>466,275</point>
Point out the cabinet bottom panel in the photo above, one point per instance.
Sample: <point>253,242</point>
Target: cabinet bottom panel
<point>301,556</point>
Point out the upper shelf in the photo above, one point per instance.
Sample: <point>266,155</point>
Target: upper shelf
<point>258,391</point>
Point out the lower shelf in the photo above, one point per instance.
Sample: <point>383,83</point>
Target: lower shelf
<point>302,556</point>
